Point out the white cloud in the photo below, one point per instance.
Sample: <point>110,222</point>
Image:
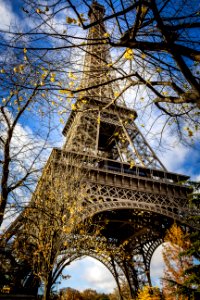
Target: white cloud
<point>174,157</point>
<point>10,21</point>
<point>14,21</point>
<point>89,273</point>
<point>196,177</point>
<point>157,265</point>
<point>28,151</point>
<point>97,275</point>
<point>7,15</point>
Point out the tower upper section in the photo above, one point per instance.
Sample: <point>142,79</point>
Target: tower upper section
<point>97,71</point>
<point>100,125</point>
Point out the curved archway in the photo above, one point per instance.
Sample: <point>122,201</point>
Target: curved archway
<point>88,273</point>
<point>139,227</point>
<point>165,210</point>
<point>111,267</point>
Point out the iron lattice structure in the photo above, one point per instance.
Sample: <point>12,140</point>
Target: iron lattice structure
<point>128,190</point>
<point>128,184</point>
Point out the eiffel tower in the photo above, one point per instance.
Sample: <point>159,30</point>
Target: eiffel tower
<point>127,184</point>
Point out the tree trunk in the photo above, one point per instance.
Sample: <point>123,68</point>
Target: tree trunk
<point>47,288</point>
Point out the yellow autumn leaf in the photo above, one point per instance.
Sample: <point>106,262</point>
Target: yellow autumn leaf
<point>143,55</point>
<point>131,116</point>
<point>25,50</point>
<point>84,101</point>
<point>38,11</point>
<point>106,35</point>
<point>63,92</point>
<point>165,93</point>
<point>73,107</point>
<point>2,71</point>
<point>66,229</point>
<point>116,94</point>
<point>143,9</point>
<point>70,20</point>
<point>159,70</point>
<point>98,120</point>
<point>71,83</point>
<point>72,76</point>
<point>125,242</point>
<point>62,121</point>
<point>132,164</point>
<point>129,54</point>
<point>21,68</point>
<point>70,94</point>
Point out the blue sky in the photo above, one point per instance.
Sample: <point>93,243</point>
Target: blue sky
<point>88,273</point>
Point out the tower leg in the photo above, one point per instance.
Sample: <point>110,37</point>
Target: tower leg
<point>131,276</point>
<point>117,279</point>
<point>146,267</point>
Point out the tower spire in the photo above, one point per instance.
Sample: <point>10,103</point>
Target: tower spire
<point>97,62</point>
